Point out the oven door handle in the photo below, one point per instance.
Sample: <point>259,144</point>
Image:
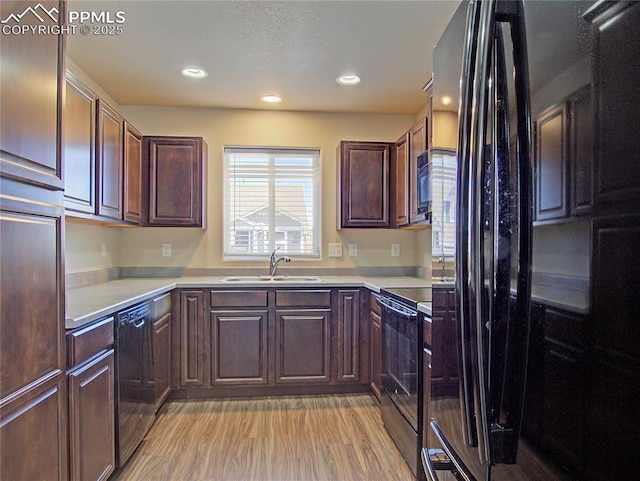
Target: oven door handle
<point>397,311</point>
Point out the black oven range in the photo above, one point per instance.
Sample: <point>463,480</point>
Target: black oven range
<point>402,345</point>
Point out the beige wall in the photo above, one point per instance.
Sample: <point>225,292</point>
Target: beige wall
<point>562,249</point>
<point>198,248</point>
<point>202,248</point>
<point>83,247</point>
<point>445,129</point>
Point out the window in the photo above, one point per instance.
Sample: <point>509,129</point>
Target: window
<point>271,199</point>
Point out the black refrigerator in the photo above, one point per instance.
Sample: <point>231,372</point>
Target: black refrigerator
<point>546,99</point>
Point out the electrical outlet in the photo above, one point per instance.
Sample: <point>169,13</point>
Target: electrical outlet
<point>395,250</point>
<point>104,249</point>
<point>335,250</point>
<point>166,250</point>
<point>353,250</point>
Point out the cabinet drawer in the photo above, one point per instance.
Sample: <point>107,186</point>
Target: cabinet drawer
<point>85,342</point>
<point>161,306</point>
<point>310,298</point>
<point>373,303</point>
<point>253,298</point>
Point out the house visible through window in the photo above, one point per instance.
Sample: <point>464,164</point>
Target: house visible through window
<point>271,199</point>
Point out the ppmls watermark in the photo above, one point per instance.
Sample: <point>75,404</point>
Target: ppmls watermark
<point>37,20</point>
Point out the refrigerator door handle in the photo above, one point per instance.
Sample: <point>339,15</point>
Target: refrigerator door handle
<point>463,225</point>
<point>453,462</point>
<point>481,310</point>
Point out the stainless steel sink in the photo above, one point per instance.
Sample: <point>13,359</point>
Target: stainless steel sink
<point>270,279</point>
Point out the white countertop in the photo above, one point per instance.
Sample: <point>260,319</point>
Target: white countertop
<point>86,304</point>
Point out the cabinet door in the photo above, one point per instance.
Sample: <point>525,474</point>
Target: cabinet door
<point>581,165</point>
<point>418,144</point>
<point>175,170</point>
<point>400,181</point>
<point>132,174</point>
<point>364,184</point>
<point>426,394</point>
<point>191,338</point>
<point>551,164</point>
<point>348,338</point>
<point>376,353</point>
<point>238,347</point>
<point>564,395</point>
<point>303,346</point>
<point>617,82</point>
<point>109,154</point>
<point>91,420</point>
<point>33,432</point>
<point>33,400</point>
<point>79,147</point>
<point>31,83</point>
<point>161,345</point>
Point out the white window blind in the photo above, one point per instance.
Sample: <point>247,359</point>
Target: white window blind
<point>271,199</point>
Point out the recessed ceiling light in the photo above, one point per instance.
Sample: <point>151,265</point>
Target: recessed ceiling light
<point>446,100</point>
<point>272,99</point>
<point>194,72</point>
<point>348,79</point>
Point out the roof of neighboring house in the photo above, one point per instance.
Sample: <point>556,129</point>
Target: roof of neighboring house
<point>252,199</point>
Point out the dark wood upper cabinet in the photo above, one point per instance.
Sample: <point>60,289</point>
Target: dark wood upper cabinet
<point>400,181</point>
<point>617,76</point>
<point>109,157</point>
<point>564,159</point>
<point>79,147</point>
<point>417,145</point>
<point>551,160</point>
<point>32,83</point>
<point>132,199</point>
<point>581,146</point>
<point>363,184</point>
<point>175,174</point>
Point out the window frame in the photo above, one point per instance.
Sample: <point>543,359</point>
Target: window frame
<point>316,208</point>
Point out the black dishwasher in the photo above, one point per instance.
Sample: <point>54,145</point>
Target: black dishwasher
<point>135,400</point>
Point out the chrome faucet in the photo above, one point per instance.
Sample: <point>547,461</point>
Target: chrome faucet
<point>273,262</point>
<point>442,262</point>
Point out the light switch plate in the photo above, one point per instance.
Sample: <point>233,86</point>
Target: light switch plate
<point>395,250</point>
<point>166,250</point>
<point>335,250</point>
<point>353,250</point>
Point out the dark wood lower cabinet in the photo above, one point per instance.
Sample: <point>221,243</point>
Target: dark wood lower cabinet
<point>33,434</point>
<point>375,350</point>
<point>303,346</point>
<point>161,345</point>
<point>191,338</point>
<point>33,393</point>
<point>348,323</point>
<point>444,364</point>
<point>91,420</point>
<point>251,341</point>
<point>564,417</point>
<point>238,347</point>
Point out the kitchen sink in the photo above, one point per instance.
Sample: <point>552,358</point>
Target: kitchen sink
<point>270,279</point>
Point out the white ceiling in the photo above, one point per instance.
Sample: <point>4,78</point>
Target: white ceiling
<point>294,49</point>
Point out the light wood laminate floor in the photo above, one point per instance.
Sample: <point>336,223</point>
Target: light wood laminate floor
<point>292,438</point>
